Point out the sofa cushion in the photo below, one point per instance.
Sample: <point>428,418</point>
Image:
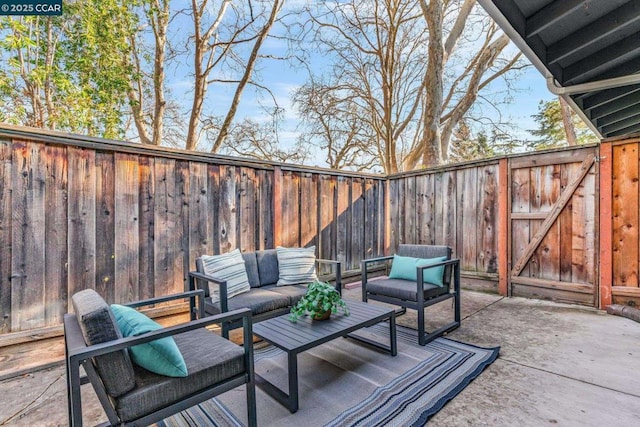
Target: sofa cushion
<point>403,289</point>
<point>228,267</point>
<point>98,326</point>
<point>251,266</point>
<point>258,300</point>
<point>268,266</point>
<point>294,292</point>
<point>296,265</point>
<point>210,359</point>
<point>160,356</point>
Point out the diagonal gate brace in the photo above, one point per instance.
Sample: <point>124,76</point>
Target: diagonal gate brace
<point>555,211</point>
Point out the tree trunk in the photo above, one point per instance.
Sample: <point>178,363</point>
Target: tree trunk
<point>434,15</point>
<point>248,71</point>
<point>569,128</point>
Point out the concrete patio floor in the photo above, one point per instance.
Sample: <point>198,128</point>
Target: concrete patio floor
<point>559,365</point>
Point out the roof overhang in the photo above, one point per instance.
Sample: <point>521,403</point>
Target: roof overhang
<point>589,52</point>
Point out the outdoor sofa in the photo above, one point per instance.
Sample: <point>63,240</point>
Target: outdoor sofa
<point>266,296</point>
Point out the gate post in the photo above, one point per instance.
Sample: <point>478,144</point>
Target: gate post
<point>503,227</point>
<point>605,276</point>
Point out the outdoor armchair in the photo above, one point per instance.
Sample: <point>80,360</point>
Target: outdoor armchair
<point>132,395</point>
<point>418,294</point>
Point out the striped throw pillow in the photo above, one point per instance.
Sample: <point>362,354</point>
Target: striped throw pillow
<point>229,267</point>
<point>296,265</point>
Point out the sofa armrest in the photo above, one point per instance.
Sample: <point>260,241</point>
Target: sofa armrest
<point>364,272</point>
<point>78,352</point>
<point>222,285</point>
<point>338,265</point>
<point>192,295</point>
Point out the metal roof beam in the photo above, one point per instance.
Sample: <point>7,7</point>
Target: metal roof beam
<point>622,124</point>
<point>625,131</point>
<point>620,104</point>
<point>617,116</point>
<point>607,58</point>
<point>550,15</point>
<point>606,26</point>
<point>592,100</point>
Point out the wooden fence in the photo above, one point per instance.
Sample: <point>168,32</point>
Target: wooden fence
<point>620,222</point>
<point>130,220</point>
<point>455,206</point>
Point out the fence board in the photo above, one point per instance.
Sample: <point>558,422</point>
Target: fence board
<point>56,235</point>
<point>308,210</point>
<point>343,232</point>
<point>567,225</point>
<point>200,213</point>
<point>328,210</point>
<point>6,185</point>
<point>82,219</point>
<point>520,229</point>
<point>425,210</point>
<point>147,230</point>
<point>28,251</point>
<point>487,257</point>
<point>449,210</point>
<point>625,215</point>
<point>127,230</point>
<point>265,212</point>
<point>227,209</point>
<point>247,218</point>
<point>105,226</point>
<point>182,207</point>
<point>358,230</point>
<point>469,220</point>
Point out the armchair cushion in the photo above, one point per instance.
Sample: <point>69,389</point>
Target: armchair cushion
<point>210,359</point>
<point>405,268</point>
<point>296,265</point>
<point>268,266</point>
<point>229,267</point>
<point>98,326</point>
<point>402,289</point>
<point>160,356</point>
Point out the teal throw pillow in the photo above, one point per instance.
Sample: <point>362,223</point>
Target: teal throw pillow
<point>161,356</point>
<point>404,267</point>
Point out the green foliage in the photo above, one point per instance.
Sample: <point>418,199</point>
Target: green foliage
<point>465,146</point>
<point>551,131</point>
<point>68,72</point>
<point>320,297</point>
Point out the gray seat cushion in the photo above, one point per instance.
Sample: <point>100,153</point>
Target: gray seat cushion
<point>294,292</point>
<point>98,326</point>
<point>268,267</point>
<point>210,359</point>
<point>403,289</point>
<point>257,299</point>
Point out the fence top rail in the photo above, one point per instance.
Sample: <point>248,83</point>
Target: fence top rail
<point>103,144</point>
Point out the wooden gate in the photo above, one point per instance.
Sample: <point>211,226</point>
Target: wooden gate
<point>553,226</point>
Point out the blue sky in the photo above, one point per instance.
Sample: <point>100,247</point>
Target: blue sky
<point>283,79</point>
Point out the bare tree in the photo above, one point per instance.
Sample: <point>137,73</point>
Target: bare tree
<point>413,69</point>
<point>253,140</point>
<point>332,125</point>
<point>217,37</point>
<point>148,106</point>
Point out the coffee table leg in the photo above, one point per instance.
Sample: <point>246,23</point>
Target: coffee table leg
<point>393,342</point>
<point>293,382</point>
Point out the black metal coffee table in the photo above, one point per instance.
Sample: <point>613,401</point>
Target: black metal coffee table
<point>297,337</point>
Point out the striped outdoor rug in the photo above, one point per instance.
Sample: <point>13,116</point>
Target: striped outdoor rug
<point>344,383</point>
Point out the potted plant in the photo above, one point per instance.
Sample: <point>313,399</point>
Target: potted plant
<point>320,301</point>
